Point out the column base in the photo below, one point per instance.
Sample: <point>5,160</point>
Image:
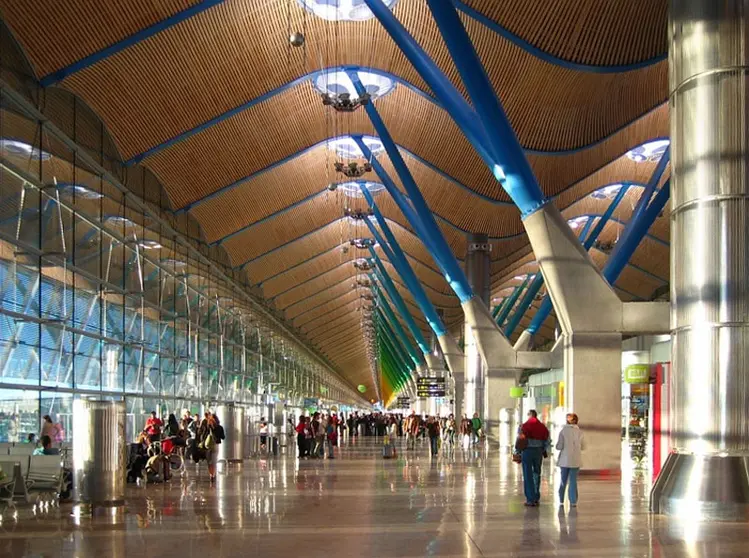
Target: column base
<point>707,488</point>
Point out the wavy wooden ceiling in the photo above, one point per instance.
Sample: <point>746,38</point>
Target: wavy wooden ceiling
<point>281,226</point>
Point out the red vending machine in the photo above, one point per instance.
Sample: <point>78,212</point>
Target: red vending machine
<point>660,427</point>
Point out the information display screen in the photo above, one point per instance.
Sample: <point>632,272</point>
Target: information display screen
<point>430,387</point>
<point>403,402</point>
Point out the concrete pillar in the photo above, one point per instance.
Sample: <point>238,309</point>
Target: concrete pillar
<point>706,476</point>
<point>478,272</point>
<point>593,385</point>
<point>498,384</point>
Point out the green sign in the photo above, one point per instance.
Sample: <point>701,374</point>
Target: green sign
<point>517,392</point>
<point>637,374</point>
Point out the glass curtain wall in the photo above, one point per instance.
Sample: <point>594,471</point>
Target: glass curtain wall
<point>100,297</point>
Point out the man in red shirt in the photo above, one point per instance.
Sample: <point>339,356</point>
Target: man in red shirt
<point>153,427</point>
<point>536,437</point>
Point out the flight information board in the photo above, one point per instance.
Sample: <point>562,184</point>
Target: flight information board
<point>430,387</point>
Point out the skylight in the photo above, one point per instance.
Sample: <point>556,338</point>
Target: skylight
<point>78,190</point>
<point>346,146</point>
<point>651,151</point>
<point>22,149</point>
<point>353,189</point>
<point>577,222</point>
<point>336,82</point>
<point>341,10</point>
<point>607,192</point>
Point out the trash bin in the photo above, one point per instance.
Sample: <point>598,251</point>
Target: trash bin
<point>274,445</point>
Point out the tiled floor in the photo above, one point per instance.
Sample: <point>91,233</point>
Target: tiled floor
<point>361,505</point>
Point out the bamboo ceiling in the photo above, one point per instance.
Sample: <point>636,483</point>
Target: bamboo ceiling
<point>256,181</point>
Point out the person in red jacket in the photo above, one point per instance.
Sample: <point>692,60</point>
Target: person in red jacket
<point>536,445</point>
<point>301,436</point>
<point>153,427</point>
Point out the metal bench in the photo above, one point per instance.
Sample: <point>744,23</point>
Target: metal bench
<point>16,468</point>
<point>45,475</point>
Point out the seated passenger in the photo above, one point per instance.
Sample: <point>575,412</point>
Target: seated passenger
<point>46,448</point>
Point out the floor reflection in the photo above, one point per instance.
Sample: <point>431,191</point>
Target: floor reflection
<point>464,503</point>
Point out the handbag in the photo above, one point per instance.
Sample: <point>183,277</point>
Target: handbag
<point>517,458</point>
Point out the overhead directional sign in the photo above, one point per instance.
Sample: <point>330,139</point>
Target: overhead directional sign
<point>430,387</point>
<point>403,402</point>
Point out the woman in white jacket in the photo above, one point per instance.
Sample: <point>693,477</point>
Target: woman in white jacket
<point>570,446</point>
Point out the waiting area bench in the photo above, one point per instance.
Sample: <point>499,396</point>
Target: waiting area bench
<point>29,476</point>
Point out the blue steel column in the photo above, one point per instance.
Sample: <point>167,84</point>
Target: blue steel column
<point>509,170</point>
<point>478,270</point>
<point>399,261</point>
<point>512,299</point>
<point>395,324</point>
<point>530,295</point>
<point>513,170</point>
<point>446,259</point>
<point>398,301</point>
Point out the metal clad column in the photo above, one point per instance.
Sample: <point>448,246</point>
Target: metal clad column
<point>478,268</point>
<point>99,455</point>
<point>231,450</point>
<point>707,475</point>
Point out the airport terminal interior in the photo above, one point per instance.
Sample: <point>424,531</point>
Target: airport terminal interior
<point>374,278</point>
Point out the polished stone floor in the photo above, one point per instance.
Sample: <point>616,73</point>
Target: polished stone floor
<point>461,504</point>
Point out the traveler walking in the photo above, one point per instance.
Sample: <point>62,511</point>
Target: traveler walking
<point>533,445</point>
<point>318,435</point>
<point>301,438</point>
<point>322,436</point>
<point>332,435</point>
<point>263,430</point>
<point>451,428</point>
<point>570,446</point>
<point>466,428</point>
<point>412,430</point>
<point>210,435</point>
<point>476,428</point>
<point>433,430</point>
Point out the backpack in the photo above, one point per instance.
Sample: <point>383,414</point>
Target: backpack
<point>219,434</point>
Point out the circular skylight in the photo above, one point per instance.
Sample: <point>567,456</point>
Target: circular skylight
<point>79,191</point>
<point>341,10</point>
<point>651,151</point>
<point>149,245</point>
<point>607,192</point>
<point>577,222</point>
<point>118,220</point>
<point>346,146</point>
<point>176,264</point>
<point>23,149</point>
<point>353,189</point>
<point>335,82</point>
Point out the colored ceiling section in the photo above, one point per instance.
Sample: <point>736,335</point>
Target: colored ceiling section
<point>210,97</point>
